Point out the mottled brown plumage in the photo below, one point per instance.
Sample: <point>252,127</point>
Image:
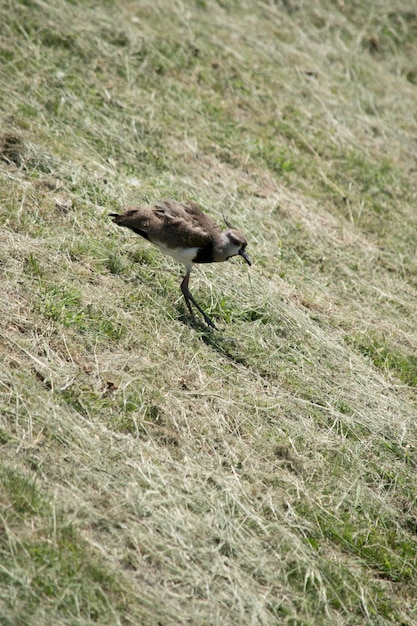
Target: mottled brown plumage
<point>186,234</point>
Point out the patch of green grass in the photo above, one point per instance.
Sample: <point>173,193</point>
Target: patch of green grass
<point>64,304</point>
<point>87,401</point>
<point>374,539</point>
<point>278,160</point>
<point>388,358</point>
<point>33,266</point>
<point>23,493</point>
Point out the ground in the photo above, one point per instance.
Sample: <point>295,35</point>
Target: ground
<point>154,471</point>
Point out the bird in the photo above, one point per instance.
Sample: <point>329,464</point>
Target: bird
<point>188,235</point>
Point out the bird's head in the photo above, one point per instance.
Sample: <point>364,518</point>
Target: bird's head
<point>236,244</point>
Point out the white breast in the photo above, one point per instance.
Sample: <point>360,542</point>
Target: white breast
<point>182,255</point>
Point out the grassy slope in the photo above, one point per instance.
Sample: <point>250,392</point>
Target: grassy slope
<point>156,473</point>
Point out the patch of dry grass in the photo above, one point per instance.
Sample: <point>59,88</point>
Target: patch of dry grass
<point>152,471</point>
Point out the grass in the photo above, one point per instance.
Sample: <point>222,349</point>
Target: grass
<point>153,471</point>
<point>390,359</point>
<point>45,563</point>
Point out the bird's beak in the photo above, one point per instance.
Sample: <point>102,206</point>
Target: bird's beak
<point>245,256</point>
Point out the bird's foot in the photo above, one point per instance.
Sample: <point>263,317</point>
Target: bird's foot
<point>209,322</point>
<point>206,318</point>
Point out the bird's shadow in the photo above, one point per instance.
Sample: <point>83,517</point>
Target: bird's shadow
<point>215,338</point>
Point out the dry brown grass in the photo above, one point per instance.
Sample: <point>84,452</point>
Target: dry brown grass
<point>153,472</point>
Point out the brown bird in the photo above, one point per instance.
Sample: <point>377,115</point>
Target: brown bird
<point>188,235</point>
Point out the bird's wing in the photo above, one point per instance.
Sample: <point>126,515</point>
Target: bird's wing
<point>171,223</point>
<point>185,225</point>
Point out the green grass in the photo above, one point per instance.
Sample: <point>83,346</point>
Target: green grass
<point>154,471</point>
<point>45,561</point>
<point>388,358</point>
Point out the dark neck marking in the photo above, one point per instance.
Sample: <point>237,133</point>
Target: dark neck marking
<point>205,254</point>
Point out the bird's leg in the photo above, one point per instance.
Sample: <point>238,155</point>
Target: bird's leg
<point>188,297</point>
<point>186,292</point>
